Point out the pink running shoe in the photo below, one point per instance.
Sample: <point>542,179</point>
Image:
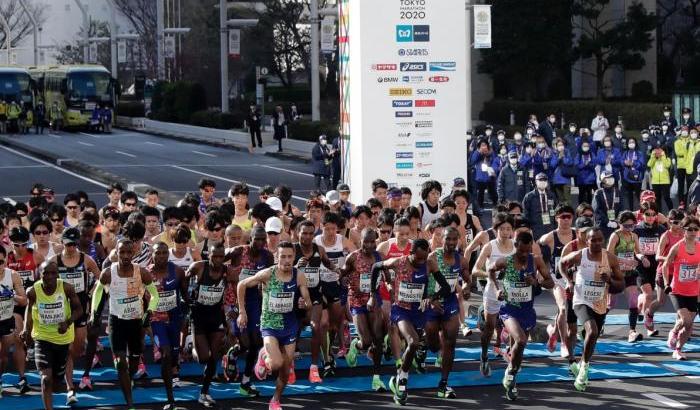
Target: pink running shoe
<point>260,369</point>
<point>274,405</point>
<point>672,340</point>
<point>552,341</point>
<point>292,378</point>
<point>314,377</point>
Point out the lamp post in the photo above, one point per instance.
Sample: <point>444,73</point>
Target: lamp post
<point>86,32</point>
<point>224,25</point>
<point>35,30</point>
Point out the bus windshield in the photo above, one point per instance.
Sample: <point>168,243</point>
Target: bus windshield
<point>15,87</point>
<point>87,86</point>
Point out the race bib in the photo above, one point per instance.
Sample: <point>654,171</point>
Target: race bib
<point>451,278</point>
<point>246,273</point>
<point>649,245</point>
<point>688,273</point>
<point>76,279</point>
<point>312,276</point>
<point>593,291</point>
<point>167,301</point>
<point>365,282</point>
<point>210,295</point>
<point>410,292</point>
<point>128,308</point>
<point>484,167</point>
<point>27,276</point>
<point>519,292</point>
<point>531,173</point>
<point>328,275</point>
<point>51,313</point>
<point>659,167</point>
<point>281,302</point>
<point>627,261</point>
<point>7,305</point>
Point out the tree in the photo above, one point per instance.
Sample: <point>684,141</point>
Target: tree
<point>19,22</point>
<point>142,16</point>
<point>72,53</point>
<point>678,40</point>
<point>611,42</point>
<point>531,41</point>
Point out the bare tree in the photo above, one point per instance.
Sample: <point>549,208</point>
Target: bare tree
<point>72,53</point>
<point>142,16</point>
<point>20,24</point>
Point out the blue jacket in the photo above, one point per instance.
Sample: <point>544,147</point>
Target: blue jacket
<point>569,159</point>
<point>586,169</point>
<point>589,139</point>
<point>543,160</point>
<point>320,161</point>
<point>615,160</point>
<point>604,199</point>
<point>490,160</point>
<point>633,174</point>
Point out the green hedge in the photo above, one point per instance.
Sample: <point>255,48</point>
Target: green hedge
<point>310,131</point>
<point>216,119</point>
<point>131,109</point>
<point>175,102</point>
<point>634,115</point>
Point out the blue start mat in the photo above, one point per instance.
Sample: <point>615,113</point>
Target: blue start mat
<point>690,368</point>
<point>622,319</point>
<point>344,385</point>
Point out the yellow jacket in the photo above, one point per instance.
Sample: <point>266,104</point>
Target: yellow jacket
<point>660,169</point>
<point>3,108</point>
<point>684,147</point>
<point>13,111</point>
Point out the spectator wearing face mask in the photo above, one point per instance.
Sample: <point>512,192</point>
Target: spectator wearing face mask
<point>491,137</point>
<point>486,168</point>
<point>619,139</point>
<point>633,166</point>
<point>538,207</point>
<point>609,158</point>
<point>585,179</point>
<point>548,129</point>
<point>585,136</point>
<point>687,118</point>
<point>692,171</point>
<point>660,175</point>
<point>321,163</point>
<point>499,142</point>
<point>570,139</point>
<point>538,159</point>
<point>684,149</point>
<point>600,127</point>
<point>668,118</point>
<point>512,181</point>
<point>565,168</point>
<point>607,204</point>
<point>518,144</point>
<point>666,135</point>
<point>646,145</point>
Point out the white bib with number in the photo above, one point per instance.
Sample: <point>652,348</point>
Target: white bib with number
<point>627,261</point>
<point>593,291</point>
<point>76,279</point>
<point>519,292</point>
<point>246,273</point>
<point>281,302</point>
<point>688,273</point>
<point>7,305</point>
<point>127,308</point>
<point>52,313</point>
<point>410,292</point>
<point>26,275</point>
<point>210,295</point>
<point>328,275</point>
<point>167,301</point>
<point>365,282</point>
<point>312,275</point>
<point>649,245</point>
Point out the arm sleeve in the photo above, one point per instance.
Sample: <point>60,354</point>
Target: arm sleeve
<point>444,286</point>
<point>153,303</point>
<point>96,299</point>
<point>376,269</point>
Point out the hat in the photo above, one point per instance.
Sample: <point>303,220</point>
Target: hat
<point>513,154</point>
<point>273,225</point>
<point>343,188</point>
<point>459,182</point>
<point>584,222</point>
<point>667,108</point>
<point>541,177</point>
<point>274,203</point>
<point>572,124</point>
<point>501,132</point>
<point>489,127</point>
<point>644,132</point>
<point>686,110</point>
<point>394,192</point>
<point>332,197</point>
<point>647,196</point>
<point>70,235</point>
<point>606,174</point>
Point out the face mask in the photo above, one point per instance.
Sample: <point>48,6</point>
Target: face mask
<point>501,138</point>
<point>609,182</point>
<point>684,133</point>
<point>560,148</point>
<point>469,137</point>
<point>686,116</point>
<point>585,149</point>
<point>572,129</point>
<point>618,130</point>
<point>694,136</point>
<point>631,146</point>
<point>504,152</point>
<point>529,132</point>
<point>542,185</point>
<point>607,144</point>
<point>518,137</point>
<point>553,120</point>
<point>488,133</point>
<point>667,113</point>
<point>323,142</point>
<point>664,127</point>
<point>541,145</point>
<point>513,162</point>
<point>645,137</point>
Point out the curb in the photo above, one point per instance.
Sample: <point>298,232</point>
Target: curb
<point>213,143</point>
<point>89,171</point>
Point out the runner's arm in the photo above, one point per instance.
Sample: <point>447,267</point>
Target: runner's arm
<point>76,309</point>
<point>667,264</point>
<point>377,269</point>
<point>180,273</point>
<point>303,288</point>
<point>614,239</point>
<point>261,277</point>
<point>324,259</point>
<point>546,281</point>
<point>444,291</point>
<point>20,296</point>
<point>147,280</point>
<point>28,320</point>
<point>478,270</point>
<point>662,244</point>
<point>349,265</point>
<point>499,266</point>
<point>567,261</point>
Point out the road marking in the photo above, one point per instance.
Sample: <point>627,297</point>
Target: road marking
<point>153,143</point>
<point>87,144</point>
<point>665,400</point>
<point>287,170</point>
<point>693,377</point>
<point>22,166</point>
<point>204,153</point>
<point>126,153</point>
<point>10,201</point>
<point>613,380</point>
<point>632,355</point>
<point>54,135</point>
<point>91,135</point>
<point>233,181</point>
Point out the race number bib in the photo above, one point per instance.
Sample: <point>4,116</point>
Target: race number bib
<point>27,276</point>
<point>128,308</point>
<point>627,262</point>
<point>51,313</point>
<point>76,279</point>
<point>593,291</point>
<point>365,282</point>
<point>167,301</point>
<point>410,292</point>
<point>687,273</point>
<point>519,292</point>
<point>649,245</point>
<point>246,273</point>
<point>312,276</point>
<point>451,278</point>
<point>281,302</point>
<point>328,275</point>
<point>210,295</point>
<point>7,305</point>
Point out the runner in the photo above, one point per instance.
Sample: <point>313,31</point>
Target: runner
<point>81,271</point>
<point>208,320</point>
<point>11,295</point>
<point>41,230</point>
<point>239,195</point>
<point>598,275</point>
<point>166,320</point>
<point>282,288</point>
<point>369,324</point>
<point>681,282</point>
<point>494,250</point>
<point>110,228</point>
<point>624,243</point>
<point>308,259</point>
<point>125,282</point>
<point>442,325</point>
<point>250,259</point>
<point>671,237</point>
<point>181,254</point>
<point>519,275</point>
<point>54,307</point>
<point>411,298</point>
<point>554,242</point>
<point>649,232</point>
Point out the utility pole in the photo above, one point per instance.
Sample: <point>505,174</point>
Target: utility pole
<point>223,54</point>
<point>315,80</point>
<point>35,29</point>
<point>468,62</point>
<point>8,35</point>
<point>86,31</point>
<point>160,14</point>
<point>113,36</point>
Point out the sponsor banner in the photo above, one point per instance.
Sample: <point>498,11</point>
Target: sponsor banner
<point>121,51</point>
<point>443,66</point>
<point>328,34</point>
<point>482,26</point>
<point>234,42</point>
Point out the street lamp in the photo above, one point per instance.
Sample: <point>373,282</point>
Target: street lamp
<point>35,29</point>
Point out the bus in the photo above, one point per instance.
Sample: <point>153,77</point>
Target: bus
<point>17,85</point>
<point>78,90</point>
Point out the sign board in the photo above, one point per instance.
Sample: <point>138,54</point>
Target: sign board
<point>92,53</point>
<point>482,26</point>
<point>234,42</point>
<point>121,51</point>
<point>169,47</point>
<point>402,82</point>
<point>328,34</point>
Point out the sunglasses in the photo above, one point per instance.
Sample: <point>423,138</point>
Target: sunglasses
<point>129,203</point>
<point>566,216</point>
<point>385,231</point>
<point>675,221</point>
<point>628,226</point>
<point>21,215</point>
<point>587,216</point>
<point>20,245</point>
<point>691,229</point>
<point>172,224</point>
<point>649,215</point>
<point>217,229</point>
<point>56,220</point>
<point>41,232</point>
<point>273,233</point>
<point>70,244</point>
<point>72,207</point>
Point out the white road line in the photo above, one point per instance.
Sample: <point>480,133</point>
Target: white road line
<point>87,144</point>
<point>153,143</point>
<point>54,136</point>
<point>287,170</point>
<point>204,153</point>
<point>10,201</point>
<point>693,377</point>
<point>126,153</point>
<point>233,181</point>
<point>22,166</point>
<point>90,135</point>
<point>632,355</point>
<point>613,380</point>
<point>665,400</point>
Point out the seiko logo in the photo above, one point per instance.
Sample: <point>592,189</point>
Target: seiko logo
<point>400,91</point>
<point>384,67</point>
<point>413,67</point>
<point>402,103</point>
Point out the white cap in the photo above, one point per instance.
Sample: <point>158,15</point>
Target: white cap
<point>332,197</point>
<point>273,224</point>
<point>275,203</point>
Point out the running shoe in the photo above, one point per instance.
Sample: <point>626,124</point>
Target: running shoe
<point>553,338</point>
<point>329,368</point>
<point>71,398</point>
<point>652,333</point>
<point>564,351</point>
<point>314,377</point>
<point>398,387</point>
<point>260,369</point>
<point>176,382</point>
<point>446,392</point>
<point>248,390</point>
<point>85,383</point>
<point>206,400</point>
<point>509,385</point>
<point>23,386</point>
<point>485,367</point>
<point>465,330</point>
<point>377,384</point>
<point>419,360</point>
<point>351,357</point>
<point>274,405</point>
<point>141,372</point>
<point>292,376</point>
<point>672,340</point>
<point>678,355</point>
<point>573,369</point>
<point>581,382</point>
<point>634,337</point>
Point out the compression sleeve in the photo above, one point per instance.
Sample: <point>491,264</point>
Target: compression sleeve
<point>96,299</point>
<point>376,270</point>
<point>153,303</point>
<point>444,286</point>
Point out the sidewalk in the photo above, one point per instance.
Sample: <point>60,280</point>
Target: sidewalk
<point>233,139</point>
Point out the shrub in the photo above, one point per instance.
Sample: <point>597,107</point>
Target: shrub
<point>642,89</point>
<point>216,119</point>
<point>131,109</point>
<point>310,131</point>
<point>176,101</point>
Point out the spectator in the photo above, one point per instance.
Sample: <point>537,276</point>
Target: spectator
<point>570,139</point>
<point>609,158</point>
<point>548,129</point>
<point>565,168</point>
<point>668,119</point>
<point>687,118</point>
<point>607,204</point>
<point>321,163</point>
<point>633,166</point>
<point>682,150</point>
<point>279,124</point>
<point>40,114</point>
<point>13,113</point>
<point>538,207</point>
<point>511,180</point>
<point>3,116</point>
<point>585,180</point>
<point>254,122</point>
<point>600,127</point>
<point>619,140</point>
<point>486,168</point>
<point>294,113</point>
<point>56,116</point>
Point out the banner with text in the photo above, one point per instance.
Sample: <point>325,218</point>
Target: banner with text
<point>121,51</point>
<point>403,93</point>
<point>482,26</point>
<point>234,42</point>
